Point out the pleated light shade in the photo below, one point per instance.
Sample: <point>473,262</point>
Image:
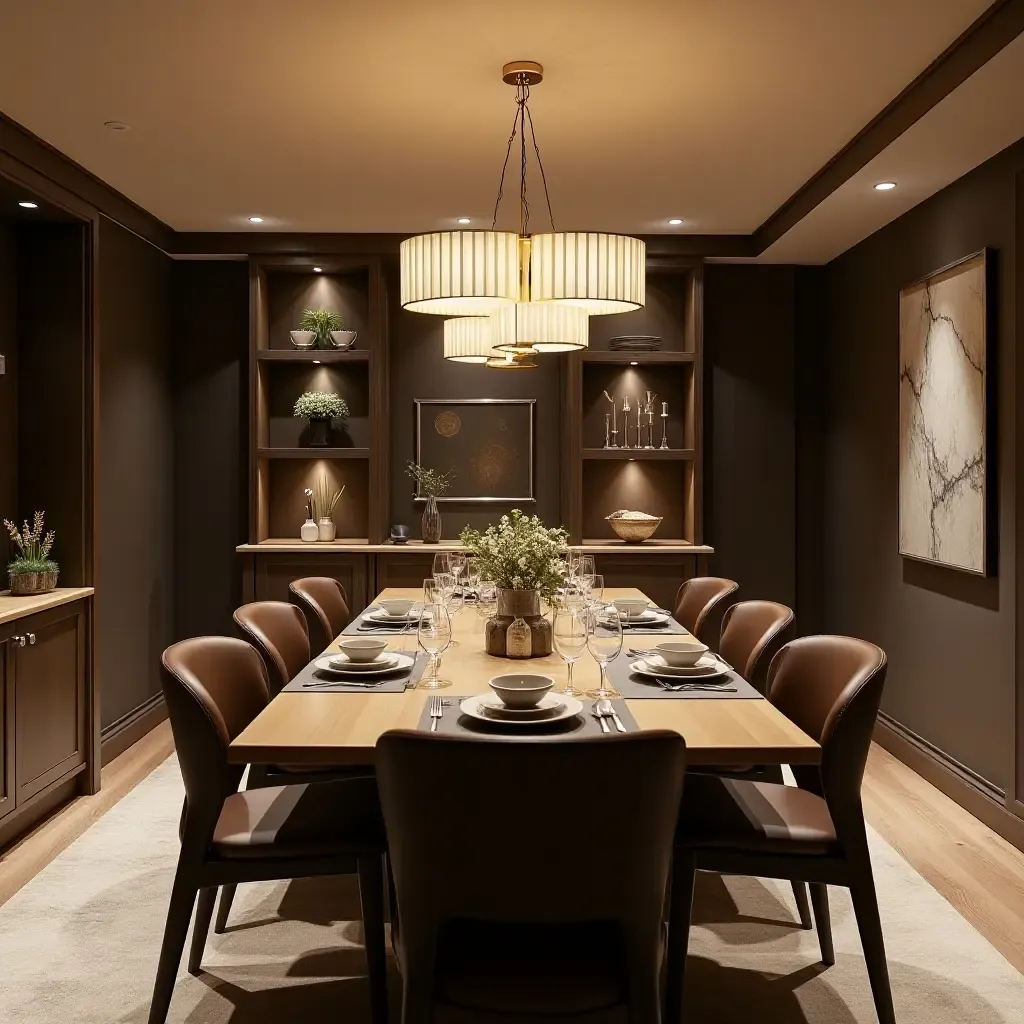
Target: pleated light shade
<point>468,339</point>
<point>460,273</point>
<point>598,272</point>
<point>541,326</point>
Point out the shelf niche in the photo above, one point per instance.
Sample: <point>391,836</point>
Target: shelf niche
<point>283,481</point>
<point>289,291</point>
<point>282,383</point>
<point>658,488</point>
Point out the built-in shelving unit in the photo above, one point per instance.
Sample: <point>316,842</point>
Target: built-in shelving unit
<point>283,462</point>
<point>664,482</point>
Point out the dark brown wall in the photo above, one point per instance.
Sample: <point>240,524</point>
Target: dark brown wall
<point>8,390</point>
<point>950,637</point>
<point>209,343</point>
<point>419,370</point>
<point>750,322</point>
<point>135,537</point>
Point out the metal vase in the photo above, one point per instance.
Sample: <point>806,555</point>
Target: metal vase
<point>431,522</point>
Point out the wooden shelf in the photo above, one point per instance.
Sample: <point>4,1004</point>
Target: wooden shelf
<point>631,454</point>
<point>654,546</point>
<point>313,453</point>
<point>640,358</point>
<point>321,355</point>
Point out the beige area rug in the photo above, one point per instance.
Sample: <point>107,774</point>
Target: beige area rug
<point>79,944</point>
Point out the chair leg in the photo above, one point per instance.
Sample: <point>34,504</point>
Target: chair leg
<point>179,913</point>
<point>823,922</point>
<point>227,896</point>
<point>865,906</point>
<point>802,906</point>
<point>201,928</point>
<point>681,908</point>
<point>371,897</point>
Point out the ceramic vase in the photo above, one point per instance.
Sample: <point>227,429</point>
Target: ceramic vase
<point>319,431</point>
<point>515,608</point>
<point>431,523</point>
<point>309,532</point>
<point>326,528</point>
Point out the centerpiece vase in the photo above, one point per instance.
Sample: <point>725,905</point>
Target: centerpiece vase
<point>319,433</point>
<point>431,523</point>
<point>518,605</point>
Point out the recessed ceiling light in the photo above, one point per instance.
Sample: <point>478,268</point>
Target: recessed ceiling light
<point>117,126</point>
<point>463,220</point>
<point>318,270</point>
<point>885,186</point>
<point>26,205</point>
<point>632,364</point>
<point>255,220</point>
<point>676,221</point>
<point>316,362</point>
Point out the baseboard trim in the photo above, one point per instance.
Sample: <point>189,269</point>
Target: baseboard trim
<point>975,794</point>
<point>117,737</point>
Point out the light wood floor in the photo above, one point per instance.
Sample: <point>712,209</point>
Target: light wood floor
<point>980,874</point>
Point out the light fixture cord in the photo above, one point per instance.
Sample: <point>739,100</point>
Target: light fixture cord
<point>540,165</point>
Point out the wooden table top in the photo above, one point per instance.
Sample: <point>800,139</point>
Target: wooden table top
<point>343,728</point>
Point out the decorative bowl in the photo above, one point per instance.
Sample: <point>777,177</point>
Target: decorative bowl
<point>399,534</point>
<point>397,605</point>
<point>519,690</point>
<point>633,530</point>
<point>303,339</point>
<point>631,606</point>
<point>362,649</point>
<point>343,339</point>
<point>681,653</point>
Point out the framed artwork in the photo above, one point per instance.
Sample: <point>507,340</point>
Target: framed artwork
<point>945,467</point>
<point>488,442</point>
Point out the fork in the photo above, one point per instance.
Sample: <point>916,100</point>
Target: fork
<point>436,711</point>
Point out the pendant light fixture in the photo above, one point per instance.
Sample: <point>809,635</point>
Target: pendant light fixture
<point>529,283</point>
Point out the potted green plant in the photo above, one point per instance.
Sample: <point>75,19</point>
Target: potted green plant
<point>524,559</point>
<point>326,328</point>
<point>31,571</point>
<point>433,484</point>
<point>320,407</point>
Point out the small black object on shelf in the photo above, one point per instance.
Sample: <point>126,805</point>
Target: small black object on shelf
<point>399,534</point>
<point>635,343</point>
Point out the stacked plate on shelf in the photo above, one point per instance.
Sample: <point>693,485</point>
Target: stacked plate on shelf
<point>635,343</point>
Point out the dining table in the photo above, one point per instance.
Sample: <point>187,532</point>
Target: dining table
<point>332,729</point>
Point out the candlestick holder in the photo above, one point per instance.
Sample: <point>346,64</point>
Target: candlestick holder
<point>664,420</point>
<point>607,429</point>
<point>615,431</point>
<point>626,407</point>
<point>649,410</point>
<point>639,427</point>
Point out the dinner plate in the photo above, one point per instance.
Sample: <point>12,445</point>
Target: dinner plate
<point>379,615</point>
<point>708,667</point>
<point>647,618</point>
<point>398,663</point>
<point>547,706</point>
<point>472,706</point>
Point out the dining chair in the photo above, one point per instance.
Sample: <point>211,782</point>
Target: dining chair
<point>215,686</point>
<point>325,604</point>
<point>700,603</point>
<point>278,631</point>
<point>514,897</point>
<point>830,686</point>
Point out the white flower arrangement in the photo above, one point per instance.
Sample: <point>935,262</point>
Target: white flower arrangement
<point>520,553</point>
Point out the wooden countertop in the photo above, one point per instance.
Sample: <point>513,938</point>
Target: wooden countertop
<point>417,547</point>
<point>18,607</point>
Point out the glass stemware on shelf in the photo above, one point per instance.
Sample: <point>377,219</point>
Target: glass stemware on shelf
<point>604,641</point>
<point>434,635</point>
<point>569,637</point>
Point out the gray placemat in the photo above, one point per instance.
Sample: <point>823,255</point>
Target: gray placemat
<point>329,683</point>
<point>454,723</point>
<point>357,627</point>
<point>633,686</point>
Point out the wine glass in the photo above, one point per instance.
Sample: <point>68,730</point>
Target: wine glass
<point>586,569</point>
<point>596,595</point>
<point>456,565</point>
<point>431,592</point>
<point>450,596</point>
<point>441,563</point>
<point>569,635</point>
<point>604,641</point>
<point>434,634</point>
<point>473,572</point>
<point>486,598</point>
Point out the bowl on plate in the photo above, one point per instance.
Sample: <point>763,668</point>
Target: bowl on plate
<point>631,607</point>
<point>361,649</point>
<point>681,653</point>
<point>519,690</point>
<point>397,606</point>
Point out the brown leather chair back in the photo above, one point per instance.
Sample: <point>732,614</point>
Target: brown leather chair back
<point>214,687</point>
<point>700,603</point>
<point>831,686</point>
<point>326,608</point>
<point>473,825</point>
<point>278,631</point>
<point>752,633</point>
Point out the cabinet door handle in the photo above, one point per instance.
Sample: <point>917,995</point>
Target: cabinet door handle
<point>18,641</point>
<point>31,639</point>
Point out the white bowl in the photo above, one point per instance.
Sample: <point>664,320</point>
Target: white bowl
<point>681,653</point>
<point>303,339</point>
<point>631,607</point>
<point>519,690</point>
<point>362,649</point>
<point>343,339</point>
<point>397,605</point>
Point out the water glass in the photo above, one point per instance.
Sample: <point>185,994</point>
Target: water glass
<point>604,641</point>
<point>596,595</point>
<point>434,635</point>
<point>431,592</point>
<point>441,563</point>
<point>486,599</point>
<point>569,637</point>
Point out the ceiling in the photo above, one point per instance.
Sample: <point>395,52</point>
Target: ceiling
<point>331,115</point>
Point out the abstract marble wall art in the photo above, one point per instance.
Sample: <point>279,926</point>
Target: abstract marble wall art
<point>943,417</point>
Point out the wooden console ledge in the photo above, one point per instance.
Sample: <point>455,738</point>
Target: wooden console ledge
<point>284,545</point>
<point>12,608</point>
